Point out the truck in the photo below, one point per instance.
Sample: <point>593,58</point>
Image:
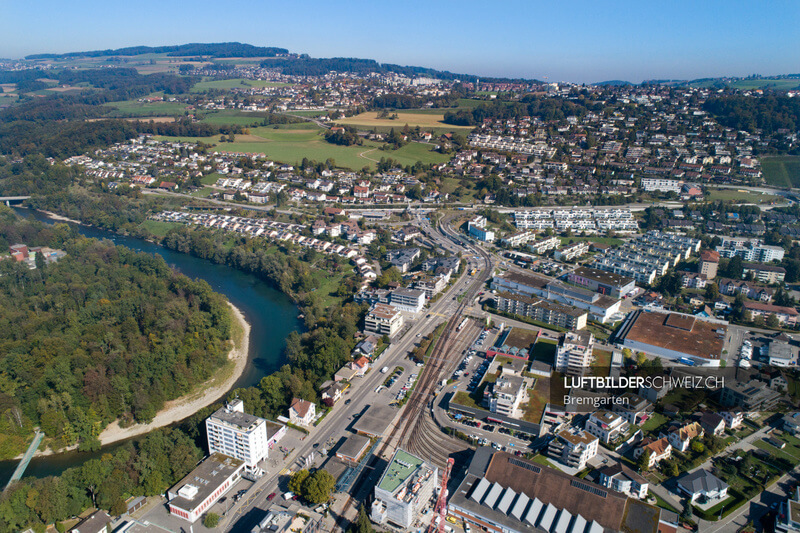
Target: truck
<point>288,495</point>
<point>384,370</point>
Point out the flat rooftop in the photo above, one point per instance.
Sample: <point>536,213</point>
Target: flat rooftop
<point>401,468</point>
<point>687,335</point>
<point>374,421</point>
<point>608,278</point>
<point>353,447</point>
<point>241,421</point>
<point>207,477</point>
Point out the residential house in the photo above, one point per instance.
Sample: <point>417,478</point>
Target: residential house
<point>713,424</point>
<point>302,412</point>
<point>659,449</point>
<point>681,438</point>
<point>622,479</point>
<point>703,485</point>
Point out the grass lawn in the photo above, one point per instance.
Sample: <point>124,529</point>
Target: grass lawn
<point>741,196</point>
<point>782,171</point>
<point>602,362</point>
<point>539,396</point>
<point>203,193</point>
<point>325,294</point>
<point>411,153</point>
<point>369,120</point>
<point>661,502</point>
<point>655,421</point>
<point>211,179</point>
<point>134,108</point>
<point>291,143</point>
<point>235,83</point>
<point>159,228</point>
<point>779,84</point>
<point>542,460</point>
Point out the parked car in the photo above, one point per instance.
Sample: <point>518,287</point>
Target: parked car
<point>271,497</point>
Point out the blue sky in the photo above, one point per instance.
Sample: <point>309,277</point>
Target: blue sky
<point>574,41</point>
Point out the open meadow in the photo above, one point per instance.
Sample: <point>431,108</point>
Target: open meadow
<point>290,145</point>
<point>782,171</point>
<point>370,120</point>
<point>234,83</point>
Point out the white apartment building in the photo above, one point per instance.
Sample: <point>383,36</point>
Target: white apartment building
<point>383,319</point>
<point>411,300</point>
<point>234,433</point>
<point>574,353</point>
<point>542,246</point>
<point>573,447</point>
<point>606,426</point>
<point>507,393</point>
<point>570,252</point>
<point>661,185</point>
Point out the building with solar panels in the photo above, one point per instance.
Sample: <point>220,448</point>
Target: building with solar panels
<point>504,493</point>
<point>404,490</point>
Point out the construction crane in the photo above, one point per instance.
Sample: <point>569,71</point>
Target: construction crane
<point>441,503</point>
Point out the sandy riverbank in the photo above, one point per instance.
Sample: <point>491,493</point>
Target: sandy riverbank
<point>58,217</point>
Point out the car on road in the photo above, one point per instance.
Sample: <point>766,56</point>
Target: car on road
<point>347,401</point>
<point>271,497</point>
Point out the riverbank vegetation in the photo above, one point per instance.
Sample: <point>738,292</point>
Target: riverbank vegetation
<point>103,334</point>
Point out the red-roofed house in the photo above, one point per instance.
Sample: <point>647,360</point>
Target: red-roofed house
<point>302,412</point>
<point>785,315</point>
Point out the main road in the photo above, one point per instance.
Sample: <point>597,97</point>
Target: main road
<point>362,395</point>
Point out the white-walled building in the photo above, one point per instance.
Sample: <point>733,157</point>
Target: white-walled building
<point>202,487</point>
<point>574,353</point>
<point>383,319</point>
<point>234,433</point>
<point>404,490</point>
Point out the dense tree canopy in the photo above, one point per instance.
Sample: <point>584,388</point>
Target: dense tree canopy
<point>102,334</point>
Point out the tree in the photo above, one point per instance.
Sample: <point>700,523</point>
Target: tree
<point>644,461</point>
<point>735,269</point>
<point>296,483</point>
<point>772,321</point>
<point>697,446</point>
<point>712,291</point>
<point>670,467</point>
<point>211,520</point>
<point>318,486</point>
<point>362,523</point>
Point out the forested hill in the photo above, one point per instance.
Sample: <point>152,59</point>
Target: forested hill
<point>219,50</point>
<point>105,333</point>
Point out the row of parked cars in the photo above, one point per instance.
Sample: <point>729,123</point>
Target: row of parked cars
<point>478,376</point>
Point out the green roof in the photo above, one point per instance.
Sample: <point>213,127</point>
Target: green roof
<point>399,470</point>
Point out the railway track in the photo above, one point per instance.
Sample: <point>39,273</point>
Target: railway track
<point>417,431</point>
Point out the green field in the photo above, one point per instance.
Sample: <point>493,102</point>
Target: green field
<point>777,84</point>
<point>235,83</point>
<point>782,171</point>
<point>291,145</point>
<point>742,195</point>
<point>159,228</point>
<point>134,108</point>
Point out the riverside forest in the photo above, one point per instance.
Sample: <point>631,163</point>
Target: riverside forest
<point>103,334</point>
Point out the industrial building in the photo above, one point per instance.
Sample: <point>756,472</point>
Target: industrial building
<point>202,487</point>
<point>503,493</point>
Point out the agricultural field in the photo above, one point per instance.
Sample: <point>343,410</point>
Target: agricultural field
<point>782,171</point>
<point>134,108</point>
<point>777,84</point>
<point>235,83</point>
<point>369,120</point>
<point>292,142</point>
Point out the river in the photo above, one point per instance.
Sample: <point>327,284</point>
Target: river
<point>271,314</point>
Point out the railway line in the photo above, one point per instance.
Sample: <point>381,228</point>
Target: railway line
<point>416,430</point>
